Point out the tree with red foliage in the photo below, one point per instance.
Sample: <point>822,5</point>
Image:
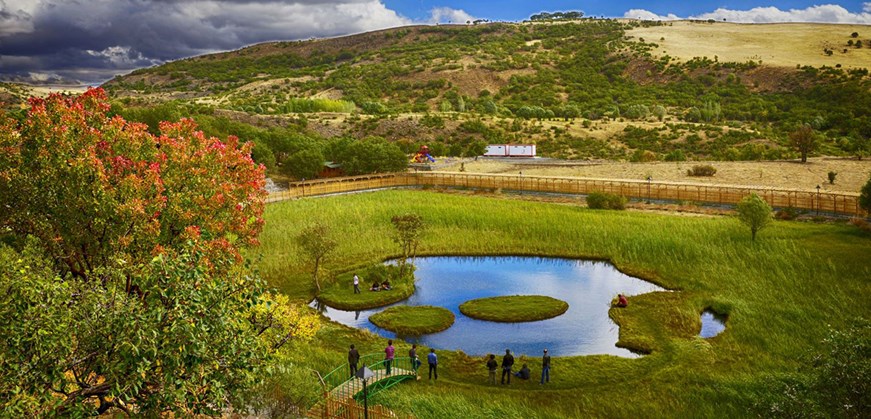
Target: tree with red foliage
<point>98,190</point>
<point>123,288</point>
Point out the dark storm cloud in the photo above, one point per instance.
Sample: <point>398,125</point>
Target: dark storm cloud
<point>92,40</point>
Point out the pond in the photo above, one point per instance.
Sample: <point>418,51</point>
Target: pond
<point>585,329</point>
<point>712,324</point>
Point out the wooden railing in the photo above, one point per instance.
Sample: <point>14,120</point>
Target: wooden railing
<point>809,200</point>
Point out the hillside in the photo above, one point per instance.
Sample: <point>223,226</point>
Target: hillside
<point>582,89</point>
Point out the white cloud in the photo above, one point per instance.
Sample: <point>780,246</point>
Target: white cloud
<point>449,15</point>
<point>122,57</point>
<point>827,13</point>
<point>642,14</point>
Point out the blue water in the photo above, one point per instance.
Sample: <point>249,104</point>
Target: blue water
<point>587,286</point>
<point>712,324</point>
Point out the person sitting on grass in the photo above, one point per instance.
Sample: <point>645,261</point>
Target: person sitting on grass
<point>374,286</point>
<point>523,374</point>
<point>621,300</point>
<point>385,285</point>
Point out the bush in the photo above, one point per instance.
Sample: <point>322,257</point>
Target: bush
<point>861,223</point>
<point>601,200</point>
<point>676,155</point>
<point>788,213</point>
<point>832,176</point>
<point>702,170</point>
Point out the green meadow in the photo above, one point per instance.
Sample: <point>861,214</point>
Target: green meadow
<point>781,293</point>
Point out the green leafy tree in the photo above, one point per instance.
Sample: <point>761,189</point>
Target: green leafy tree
<point>477,148</point>
<point>755,213</point>
<point>489,107</point>
<point>865,196</point>
<point>316,242</point>
<point>262,154</point>
<point>804,140</point>
<point>860,146</point>
<point>370,155</point>
<point>305,164</point>
<point>408,231</point>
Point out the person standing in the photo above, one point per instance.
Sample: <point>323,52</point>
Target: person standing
<point>353,359</point>
<point>356,284</point>
<point>491,368</point>
<point>507,362</point>
<point>415,362</point>
<point>545,368</point>
<point>388,355</point>
<point>433,361</point>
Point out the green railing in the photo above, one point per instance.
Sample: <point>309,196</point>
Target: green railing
<point>340,381</point>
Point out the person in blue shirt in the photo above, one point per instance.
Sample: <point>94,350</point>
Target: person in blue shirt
<point>433,364</point>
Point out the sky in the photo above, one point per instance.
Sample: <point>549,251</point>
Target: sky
<point>90,41</point>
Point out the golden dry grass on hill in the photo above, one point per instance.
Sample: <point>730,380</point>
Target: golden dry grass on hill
<point>776,44</point>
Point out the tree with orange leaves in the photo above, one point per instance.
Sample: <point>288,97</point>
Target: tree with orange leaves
<point>124,287</point>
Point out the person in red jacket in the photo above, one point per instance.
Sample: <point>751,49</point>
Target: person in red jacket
<point>621,300</point>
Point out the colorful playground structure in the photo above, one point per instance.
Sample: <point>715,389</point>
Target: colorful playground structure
<point>422,155</point>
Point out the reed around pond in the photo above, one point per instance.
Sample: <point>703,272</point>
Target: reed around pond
<point>783,294</point>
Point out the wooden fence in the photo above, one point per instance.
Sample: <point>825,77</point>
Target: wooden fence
<point>350,409</point>
<point>808,200</point>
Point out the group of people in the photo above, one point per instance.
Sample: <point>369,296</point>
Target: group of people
<point>390,355</point>
<point>384,286</point>
<point>523,373</point>
<point>432,359</point>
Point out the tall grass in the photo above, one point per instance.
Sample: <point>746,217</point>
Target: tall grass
<point>780,292</point>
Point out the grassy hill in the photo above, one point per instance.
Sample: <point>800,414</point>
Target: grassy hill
<point>582,89</point>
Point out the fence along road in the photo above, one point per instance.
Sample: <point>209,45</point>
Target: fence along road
<point>809,200</point>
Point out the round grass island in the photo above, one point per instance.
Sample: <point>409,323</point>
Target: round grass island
<point>414,320</point>
<point>514,308</point>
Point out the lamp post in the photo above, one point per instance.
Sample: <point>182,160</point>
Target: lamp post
<point>648,189</point>
<point>818,199</point>
<point>365,374</point>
